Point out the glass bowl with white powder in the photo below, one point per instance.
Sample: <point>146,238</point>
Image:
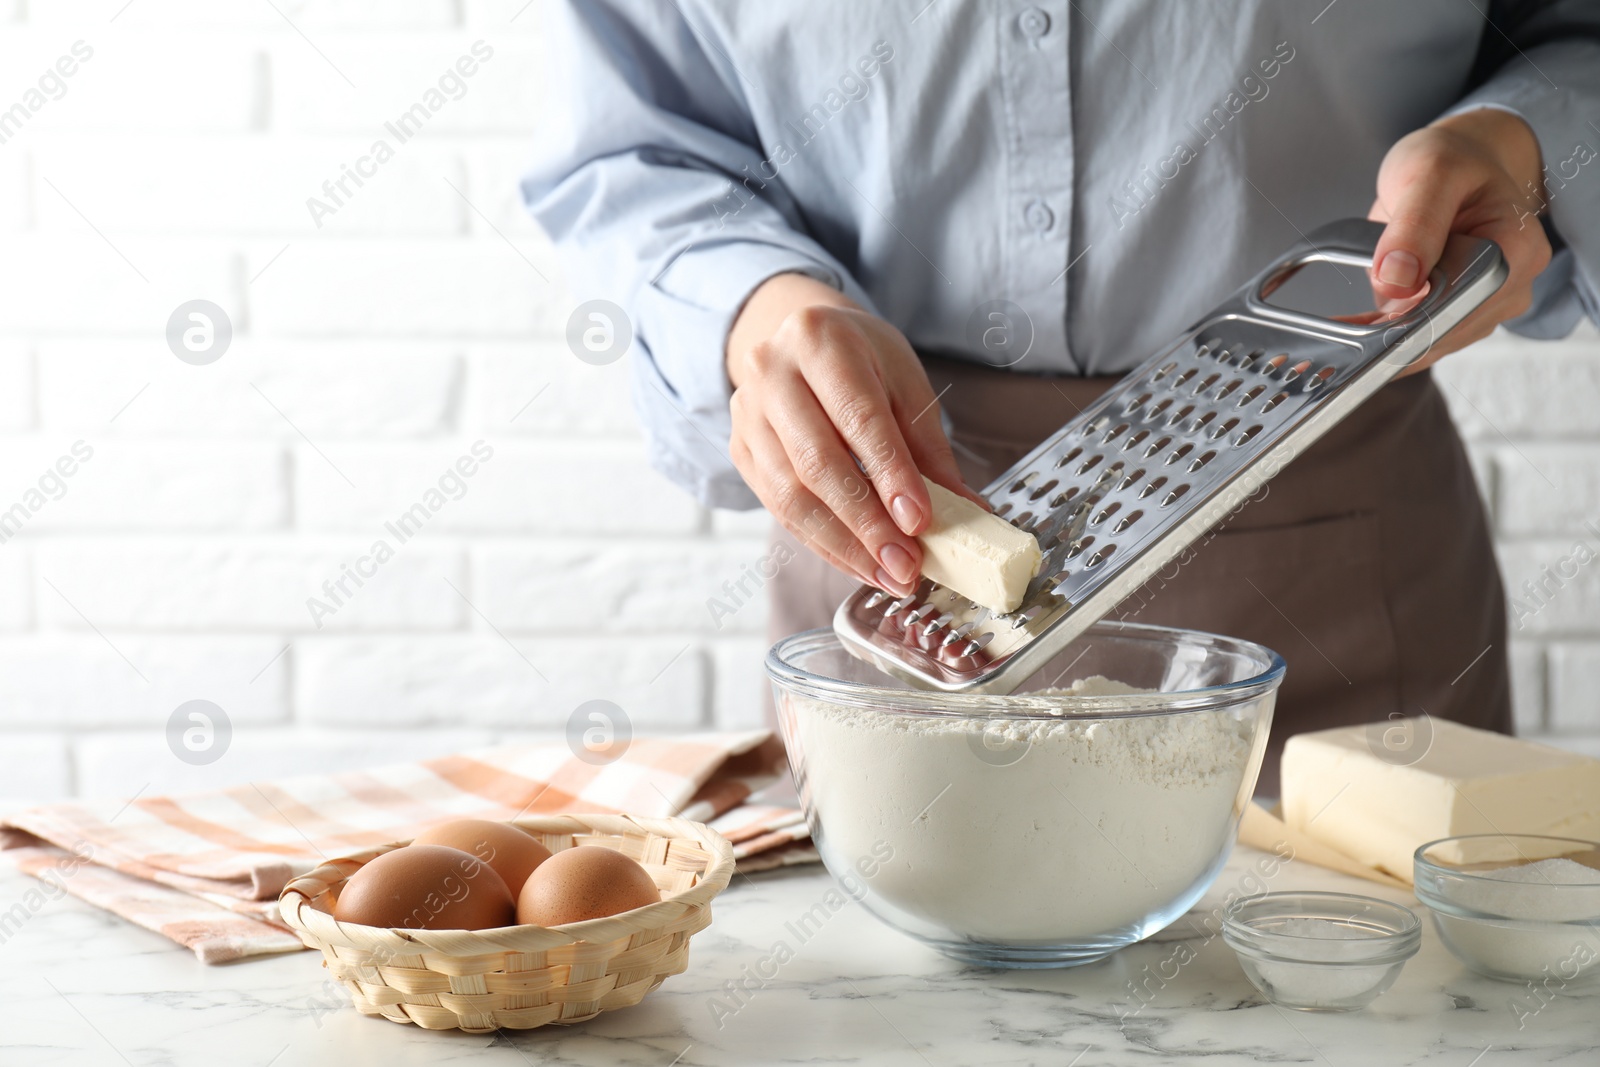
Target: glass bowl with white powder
<point>1046,828</point>
<point>1321,951</point>
<point>1518,907</point>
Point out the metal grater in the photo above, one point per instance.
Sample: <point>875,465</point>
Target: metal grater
<point>1155,463</point>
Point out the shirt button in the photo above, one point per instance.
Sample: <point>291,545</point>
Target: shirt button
<point>1033,23</point>
<point>1038,215</point>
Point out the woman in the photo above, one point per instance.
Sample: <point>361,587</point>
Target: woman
<point>813,212</point>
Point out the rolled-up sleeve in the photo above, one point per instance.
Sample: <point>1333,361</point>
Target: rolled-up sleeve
<point>1541,62</point>
<point>649,179</point>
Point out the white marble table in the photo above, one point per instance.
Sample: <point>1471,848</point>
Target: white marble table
<point>78,986</point>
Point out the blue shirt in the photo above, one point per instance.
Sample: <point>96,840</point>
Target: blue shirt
<point>1111,169</point>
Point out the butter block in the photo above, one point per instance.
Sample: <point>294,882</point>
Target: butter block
<point>1364,790</point>
<point>978,554</point>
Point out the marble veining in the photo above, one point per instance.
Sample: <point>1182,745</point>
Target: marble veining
<point>78,986</point>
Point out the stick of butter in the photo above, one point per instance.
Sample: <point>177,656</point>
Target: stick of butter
<point>1378,791</point>
<point>978,554</point>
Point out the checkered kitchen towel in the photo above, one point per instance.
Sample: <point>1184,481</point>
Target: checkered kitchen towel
<point>206,869</point>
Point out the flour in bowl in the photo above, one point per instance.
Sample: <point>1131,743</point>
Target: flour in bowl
<point>1027,829</point>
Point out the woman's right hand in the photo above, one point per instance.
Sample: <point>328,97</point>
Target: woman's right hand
<point>819,384</point>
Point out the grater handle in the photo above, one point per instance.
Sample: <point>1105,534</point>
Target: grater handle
<point>1353,242</point>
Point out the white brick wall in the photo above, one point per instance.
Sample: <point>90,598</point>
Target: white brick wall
<point>1531,415</point>
<point>371,352</point>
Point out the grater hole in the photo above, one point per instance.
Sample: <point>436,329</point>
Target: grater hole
<point>1277,398</point>
<point>1136,403</point>
<point>1091,463</point>
<point>1069,457</point>
<point>1203,419</point>
<point>1064,496</point>
<point>1127,520</point>
<point>1155,484</point>
<point>1179,415</point>
<point>1179,453</point>
<point>1079,545</point>
<point>1320,378</point>
<point>1105,513</point>
<point>1156,411</point>
<point>1021,521</point>
<point>1023,482</point>
<point>1185,376</point>
<point>1207,384</point>
<point>1025,616</point>
<point>1297,370</point>
<point>1164,371</point>
<point>1114,433</point>
<point>1099,557</point>
<point>1135,439</point>
<point>1247,434</point>
<point>1043,489</point>
<point>1157,446</point>
<point>1096,425</point>
<point>1003,509</point>
<point>1275,364</point>
<point>1250,394</point>
<point>1047,528</point>
<point>1249,359</point>
<point>1230,387</point>
<point>1130,479</point>
<point>1201,351</point>
<point>1173,497</point>
<point>1201,461</point>
<point>1222,430</point>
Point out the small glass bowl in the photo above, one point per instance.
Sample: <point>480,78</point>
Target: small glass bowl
<point>1321,951</point>
<point>1503,927</point>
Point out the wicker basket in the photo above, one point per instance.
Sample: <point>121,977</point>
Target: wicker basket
<point>520,977</point>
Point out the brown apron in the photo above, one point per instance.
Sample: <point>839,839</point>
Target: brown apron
<point>1366,563</point>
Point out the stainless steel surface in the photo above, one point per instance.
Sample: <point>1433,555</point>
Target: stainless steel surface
<point>1184,440</point>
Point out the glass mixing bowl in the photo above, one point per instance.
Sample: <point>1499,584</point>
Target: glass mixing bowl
<point>1046,828</point>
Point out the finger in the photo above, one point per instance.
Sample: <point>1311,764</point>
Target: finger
<point>1453,342</point>
<point>825,467</point>
<point>760,460</point>
<point>853,398</point>
<point>1475,327</point>
<point>1527,253</point>
<point>802,513</point>
<point>1419,215</point>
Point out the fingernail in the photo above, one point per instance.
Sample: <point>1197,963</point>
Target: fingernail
<point>906,513</point>
<point>885,581</point>
<point>898,562</point>
<point>1400,268</point>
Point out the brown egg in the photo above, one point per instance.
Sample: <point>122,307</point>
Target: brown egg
<point>512,852</point>
<point>587,882</point>
<point>426,887</point>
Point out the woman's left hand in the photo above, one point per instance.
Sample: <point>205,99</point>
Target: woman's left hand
<point>1476,173</point>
